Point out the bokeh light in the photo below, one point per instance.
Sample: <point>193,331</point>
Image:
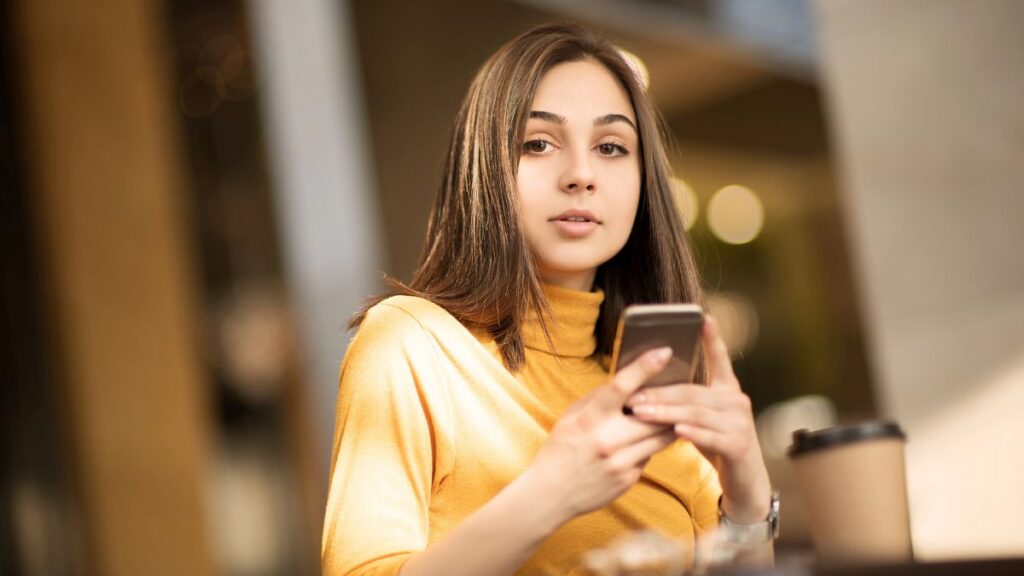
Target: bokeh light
<point>735,214</point>
<point>737,318</point>
<point>202,92</point>
<point>240,76</point>
<point>254,342</point>
<point>776,424</point>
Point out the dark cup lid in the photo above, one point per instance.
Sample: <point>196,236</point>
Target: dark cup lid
<point>805,441</point>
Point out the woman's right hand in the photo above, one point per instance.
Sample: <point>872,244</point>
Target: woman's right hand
<point>595,452</point>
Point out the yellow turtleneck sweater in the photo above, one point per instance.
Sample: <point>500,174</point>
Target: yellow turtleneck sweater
<point>431,425</point>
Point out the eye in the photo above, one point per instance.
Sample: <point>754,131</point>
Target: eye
<point>612,149</point>
<point>536,146</point>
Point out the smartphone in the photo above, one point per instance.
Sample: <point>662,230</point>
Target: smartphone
<point>645,327</point>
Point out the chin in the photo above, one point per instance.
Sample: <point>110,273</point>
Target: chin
<point>572,258</point>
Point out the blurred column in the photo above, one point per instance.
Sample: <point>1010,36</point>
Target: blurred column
<point>118,278</point>
<point>926,101</point>
<point>319,157</point>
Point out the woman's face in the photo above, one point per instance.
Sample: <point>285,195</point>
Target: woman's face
<point>579,172</point>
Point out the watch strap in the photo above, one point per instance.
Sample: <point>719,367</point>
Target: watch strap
<point>757,533</point>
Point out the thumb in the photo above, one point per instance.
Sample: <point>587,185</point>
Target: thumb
<point>628,380</point>
<point>719,363</point>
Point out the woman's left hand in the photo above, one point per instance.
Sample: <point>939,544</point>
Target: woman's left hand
<point>718,419</point>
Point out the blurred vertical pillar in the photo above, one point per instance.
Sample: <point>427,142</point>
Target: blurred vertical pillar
<point>926,104</point>
<point>119,278</point>
<point>319,157</point>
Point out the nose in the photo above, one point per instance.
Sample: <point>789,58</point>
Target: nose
<point>578,174</point>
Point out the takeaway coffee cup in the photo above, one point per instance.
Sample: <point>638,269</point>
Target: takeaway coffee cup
<point>853,485</point>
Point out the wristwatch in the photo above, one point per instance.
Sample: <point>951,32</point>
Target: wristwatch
<point>759,533</point>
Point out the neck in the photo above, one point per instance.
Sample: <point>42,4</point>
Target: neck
<point>571,324</point>
<point>580,281</point>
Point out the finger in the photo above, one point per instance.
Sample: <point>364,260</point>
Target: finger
<point>719,363</point>
<point>719,421</point>
<point>685,394</point>
<point>710,442</point>
<point>613,396</point>
<point>638,452</point>
<point>704,439</point>
<point>673,414</point>
<point>619,431</point>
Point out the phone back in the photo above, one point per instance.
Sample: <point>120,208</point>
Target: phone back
<point>648,326</point>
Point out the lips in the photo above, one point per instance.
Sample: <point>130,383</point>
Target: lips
<point>575,224</point>
<point>580,216</point>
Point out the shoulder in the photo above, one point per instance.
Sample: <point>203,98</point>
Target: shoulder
<point>398,314</point>
<point>417,330</point>
<point>404,324</point>
<point>392,348</point>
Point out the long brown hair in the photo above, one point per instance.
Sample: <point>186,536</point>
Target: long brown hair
<point>476,263</point>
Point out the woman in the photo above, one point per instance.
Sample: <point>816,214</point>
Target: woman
<point>478,431</point>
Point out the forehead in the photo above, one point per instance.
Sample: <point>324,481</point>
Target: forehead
<point>582,88</point>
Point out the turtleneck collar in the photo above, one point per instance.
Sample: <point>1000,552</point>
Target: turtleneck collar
<point>573,317</point>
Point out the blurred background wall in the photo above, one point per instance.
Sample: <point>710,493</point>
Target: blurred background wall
<point>197,194</point>
<point>926,101</point>
<point>117,483</point>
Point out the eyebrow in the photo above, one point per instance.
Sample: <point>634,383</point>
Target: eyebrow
<point>612,118</point>
<point>599,121</point>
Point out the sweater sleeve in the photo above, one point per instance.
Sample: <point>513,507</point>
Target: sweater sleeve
<point>390,447</point>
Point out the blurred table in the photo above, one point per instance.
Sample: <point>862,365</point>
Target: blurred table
<point>992,567</point>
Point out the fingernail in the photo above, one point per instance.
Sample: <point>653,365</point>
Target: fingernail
<point>643,410</point>
<point>639,398</point>
<point>663,354</point>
